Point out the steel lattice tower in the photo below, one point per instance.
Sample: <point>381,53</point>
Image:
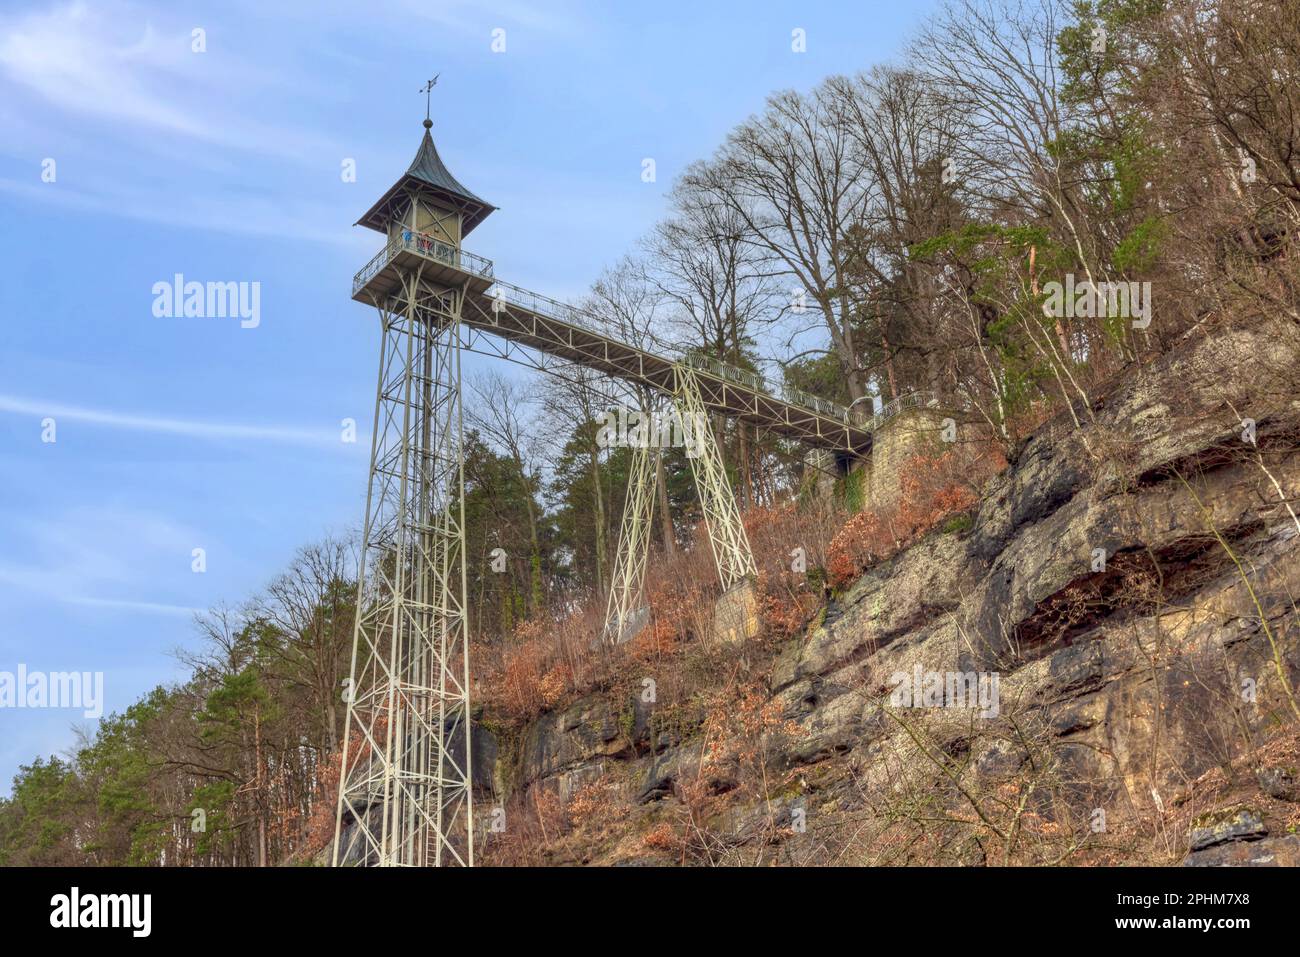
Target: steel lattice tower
<point>406,780</point>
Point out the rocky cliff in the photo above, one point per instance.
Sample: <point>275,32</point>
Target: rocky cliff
<point>1102,666</point>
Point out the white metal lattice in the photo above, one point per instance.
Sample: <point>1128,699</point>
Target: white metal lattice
<point>405,792</point>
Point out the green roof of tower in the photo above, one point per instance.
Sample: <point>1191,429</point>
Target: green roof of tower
<point>429,171</point>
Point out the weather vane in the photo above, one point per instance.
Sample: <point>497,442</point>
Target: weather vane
<point>427,90</point>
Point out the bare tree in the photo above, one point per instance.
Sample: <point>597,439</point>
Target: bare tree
<point>312,604</point>
<point>795,177</point>
<point>907,133</point>
<point>724,289</point>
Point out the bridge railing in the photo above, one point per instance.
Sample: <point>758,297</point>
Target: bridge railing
<point>541,305</point>
<point>430,247</point>
<point>755,381</point>
<point>909,400</point>
<point>815,402</point>
<point>724,371</point>
<point>545,306</point>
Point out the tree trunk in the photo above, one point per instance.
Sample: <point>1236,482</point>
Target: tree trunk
<point>665,516</point>
<point>257,791</point>
<point>746,483</point>
<point>536,596</point>
<point>889,363</point>
<point>601,556</point>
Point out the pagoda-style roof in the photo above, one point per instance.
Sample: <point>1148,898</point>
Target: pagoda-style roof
<point>427,172</point>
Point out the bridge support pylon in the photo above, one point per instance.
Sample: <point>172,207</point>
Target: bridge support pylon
<point>626,610</point>
<point>731,552</point>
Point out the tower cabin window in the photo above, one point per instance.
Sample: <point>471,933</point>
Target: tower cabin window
<point>431,220</point>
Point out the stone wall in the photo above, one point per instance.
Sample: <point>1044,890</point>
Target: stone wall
<point>910,432</point>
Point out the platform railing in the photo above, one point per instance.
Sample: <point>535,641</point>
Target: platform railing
<point>430,247</point>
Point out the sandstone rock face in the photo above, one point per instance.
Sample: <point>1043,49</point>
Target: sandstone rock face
<point>1233,824</point>
<point>1269,852</point>
<point>568,748</point>
<point>1126,587</point>
<point>1237,837</point>
<point>1279,783</point>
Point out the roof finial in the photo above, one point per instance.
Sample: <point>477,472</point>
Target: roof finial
<point>427,90</point>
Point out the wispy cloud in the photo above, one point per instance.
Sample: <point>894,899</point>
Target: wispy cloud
<point>189,428</point>
<point>110,62</point>
<point>69,57</point>
<point>54,584</point>
<point>148,607</point>
<point>86,556</point>
<point>209,128</point>
<point>248,216</point>
<point>468,16</point>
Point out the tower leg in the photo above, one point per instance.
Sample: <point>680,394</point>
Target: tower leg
<point>405,787</point>
<point>727,538</point>
<point>625,612</point>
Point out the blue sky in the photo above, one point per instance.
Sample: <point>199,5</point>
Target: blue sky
<point>224,165</point>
